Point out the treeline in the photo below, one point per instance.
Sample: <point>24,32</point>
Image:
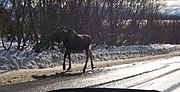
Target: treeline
<point>109,22</point>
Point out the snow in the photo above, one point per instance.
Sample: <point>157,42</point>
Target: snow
<point>163,46</point>
<point>156,80</point>
<point>144,75</point>
<point>165,83</point>
<point>14,59</point>
<point>159,74</point>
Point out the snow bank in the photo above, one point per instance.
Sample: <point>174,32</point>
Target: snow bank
<point>28,59</point>
<point>163,46</point>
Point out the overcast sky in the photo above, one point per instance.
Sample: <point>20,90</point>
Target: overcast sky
<point>173,3</point>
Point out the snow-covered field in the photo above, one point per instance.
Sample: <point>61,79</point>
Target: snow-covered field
<point>14,59</point>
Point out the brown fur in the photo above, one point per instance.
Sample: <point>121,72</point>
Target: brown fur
<point>73,42</point>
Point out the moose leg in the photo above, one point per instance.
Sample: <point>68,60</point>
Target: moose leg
<point>87,56</point>
<point>69,56</point>
<point>90,54</point>
<point>64,65</point>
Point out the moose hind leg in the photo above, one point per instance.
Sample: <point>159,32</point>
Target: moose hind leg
<point>90,54</point>
<point>87,56</point>
<point>69,56</point>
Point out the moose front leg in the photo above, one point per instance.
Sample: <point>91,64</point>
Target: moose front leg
<point>64,65</point>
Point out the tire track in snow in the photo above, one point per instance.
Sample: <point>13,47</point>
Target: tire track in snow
<point>167,73</point>
<point>128,77</point>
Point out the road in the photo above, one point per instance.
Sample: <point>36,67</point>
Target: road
<point>161,74</point>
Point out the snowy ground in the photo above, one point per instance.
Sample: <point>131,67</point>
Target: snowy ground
<point>27,59</point>
<point>27,63</point>
<point>160,74</point>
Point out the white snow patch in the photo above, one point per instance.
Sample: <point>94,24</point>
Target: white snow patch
<point>162,46</point>
<point>14,59</point>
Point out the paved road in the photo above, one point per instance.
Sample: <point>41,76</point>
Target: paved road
<point>161,75</point>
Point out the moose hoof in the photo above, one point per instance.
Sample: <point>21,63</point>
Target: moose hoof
<point>93,68</point>
<point>64,68</point>
<point>69,68</point>
<point>84,70</point>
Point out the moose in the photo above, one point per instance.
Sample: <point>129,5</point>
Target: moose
<point>73,42</point>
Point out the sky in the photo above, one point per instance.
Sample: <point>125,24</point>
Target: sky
<point>173,7</point>
<point>173,3</point>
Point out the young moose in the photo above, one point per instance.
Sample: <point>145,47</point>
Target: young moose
<point>73,42</point>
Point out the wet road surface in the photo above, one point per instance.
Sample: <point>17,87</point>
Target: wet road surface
<point>148,75</point>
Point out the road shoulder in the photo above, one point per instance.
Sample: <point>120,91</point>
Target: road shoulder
<point>24,75</point>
